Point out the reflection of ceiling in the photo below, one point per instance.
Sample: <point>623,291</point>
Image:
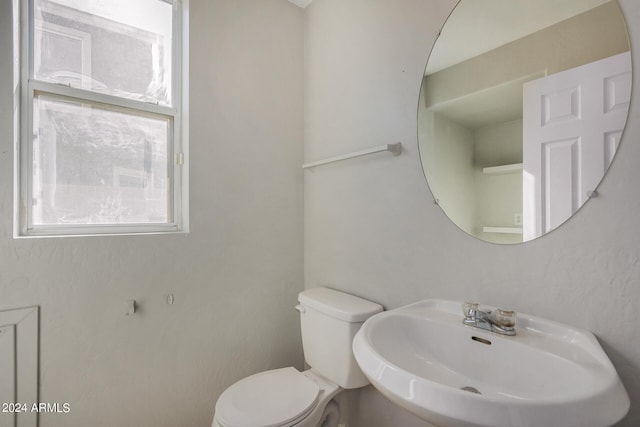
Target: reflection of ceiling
<point>301,3</point>
<point>497,104</point>
<point>465,34</point>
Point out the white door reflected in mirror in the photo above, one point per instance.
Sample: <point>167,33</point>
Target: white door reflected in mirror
<point>572,125</point>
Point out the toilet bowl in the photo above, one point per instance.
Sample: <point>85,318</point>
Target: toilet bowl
<point>287,397</point>
<point>279,398</point>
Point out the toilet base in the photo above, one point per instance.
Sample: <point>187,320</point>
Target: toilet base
<point>325,407</point>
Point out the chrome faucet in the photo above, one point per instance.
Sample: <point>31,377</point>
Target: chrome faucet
<point>501,322</point>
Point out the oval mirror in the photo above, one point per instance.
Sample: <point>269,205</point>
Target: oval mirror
<point>521,111</point>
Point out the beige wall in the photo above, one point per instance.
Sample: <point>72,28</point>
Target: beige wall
<point>235,277</point>
<point>372,229</point>
<point>498,144</point>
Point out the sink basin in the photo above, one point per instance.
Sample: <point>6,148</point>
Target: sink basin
<point>424,359</point>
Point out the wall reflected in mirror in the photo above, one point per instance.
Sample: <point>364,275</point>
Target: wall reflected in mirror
<point>521,111</point>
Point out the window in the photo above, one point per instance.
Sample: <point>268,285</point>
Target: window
<point>102,132</point>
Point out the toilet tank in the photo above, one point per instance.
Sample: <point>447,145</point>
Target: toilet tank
<point>329,320</point>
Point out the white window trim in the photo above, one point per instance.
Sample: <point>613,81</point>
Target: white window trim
<point>178,149</point>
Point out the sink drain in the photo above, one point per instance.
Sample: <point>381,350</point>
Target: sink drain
<point>471,389</point>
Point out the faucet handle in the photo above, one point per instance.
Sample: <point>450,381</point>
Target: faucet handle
<point>505,318</point>
<point>469,309</point>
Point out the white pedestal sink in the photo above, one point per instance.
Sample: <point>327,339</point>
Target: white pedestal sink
<point>548,375</point>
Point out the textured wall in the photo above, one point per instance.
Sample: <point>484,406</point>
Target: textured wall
<point>371,227</point>
<point>235,276</point>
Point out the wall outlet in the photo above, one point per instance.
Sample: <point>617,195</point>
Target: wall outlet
<point>517,219</point>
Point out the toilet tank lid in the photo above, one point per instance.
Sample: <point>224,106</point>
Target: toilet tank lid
<point>339,304</point>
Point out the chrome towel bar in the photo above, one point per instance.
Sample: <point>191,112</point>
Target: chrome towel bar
<point>396,149</point>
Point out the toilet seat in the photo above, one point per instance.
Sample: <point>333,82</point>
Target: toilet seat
<point>276,398</point>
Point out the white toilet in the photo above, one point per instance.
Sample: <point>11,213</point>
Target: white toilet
<point>286,397</point>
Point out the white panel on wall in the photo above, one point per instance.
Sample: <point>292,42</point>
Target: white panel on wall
<point>19,364</point>
<point>7,373</point>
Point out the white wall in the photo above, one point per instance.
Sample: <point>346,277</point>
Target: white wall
<point>371,227</point>
<point>235,276</point>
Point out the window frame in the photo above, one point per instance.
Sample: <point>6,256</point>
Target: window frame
<point>177,162</point>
